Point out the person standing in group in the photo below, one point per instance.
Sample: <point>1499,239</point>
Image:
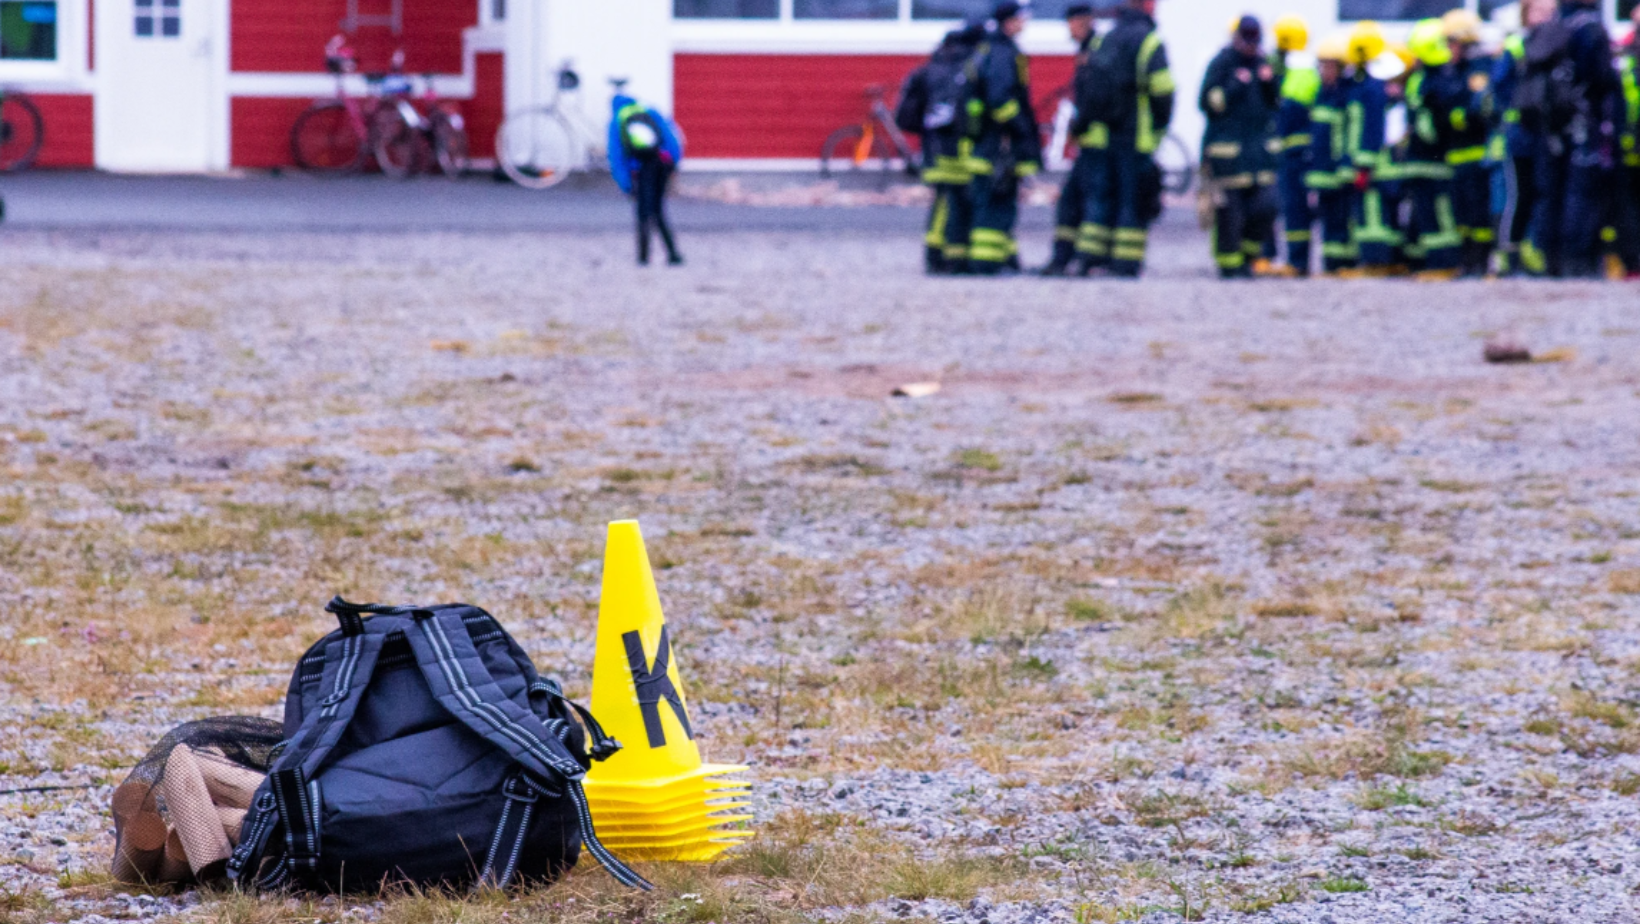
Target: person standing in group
<point>1376,238</point>
<point>1132,116</point>
<point>644,152</point>
<point>1300,83</point>
<point>1520,145</point>
<point>1331,176</point>
<point>1007,145</point>
<point>1239,96</point>
<point>1628,226</point>
<point>1564,98</point>
<point>1436,97</point>
<point>933,101</point>
<point>1471,175</point>
<point>1071,213</point>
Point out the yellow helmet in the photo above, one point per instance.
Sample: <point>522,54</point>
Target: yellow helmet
<point>1335,47</point>
<point>1365,43</point>
<point>1292,34</point>
<point>1428,43</point>
<point>1461,26</point>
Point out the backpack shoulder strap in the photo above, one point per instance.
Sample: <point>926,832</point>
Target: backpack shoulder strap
<point>458,679</point>
<point>285,799</point>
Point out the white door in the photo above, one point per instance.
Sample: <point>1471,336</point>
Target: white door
<point>158,106</point>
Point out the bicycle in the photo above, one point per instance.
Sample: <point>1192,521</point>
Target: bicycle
<point>1172,155</point>
<point>22,132</point>
<point>540,147</point>
<point>410,139</point>
<point>874,139</point>
<point>338,134</point>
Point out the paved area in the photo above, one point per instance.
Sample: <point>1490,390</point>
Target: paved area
<point>1180,600</point>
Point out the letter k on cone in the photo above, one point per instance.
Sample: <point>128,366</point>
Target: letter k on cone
<point>666,804</point>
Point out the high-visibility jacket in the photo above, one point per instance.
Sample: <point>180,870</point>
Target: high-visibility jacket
<point>1329,146</point>
<point>1365,114</point>
<point>1437,100</point>
<point>1299,89</point>
<point>1477,117</point>
<point>1507,71</point>
<point>1629,74</point>
<point>1240,107</point>
<point>1137,49</point>
<point>1000,107</point>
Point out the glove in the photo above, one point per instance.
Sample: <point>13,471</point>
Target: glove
<point>1363,179</point>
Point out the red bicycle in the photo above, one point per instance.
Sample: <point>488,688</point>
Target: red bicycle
<point>338,135</point>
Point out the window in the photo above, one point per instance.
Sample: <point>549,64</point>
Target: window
<point>1403,10</point>
<point>28,30</point>
<point>726,9</point>
<point>845,9</point>
<point>1041,10</point>
<point>498,10</point>
<point>163,18</point>
<point>1626,8</point>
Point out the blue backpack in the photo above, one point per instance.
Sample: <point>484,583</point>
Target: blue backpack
<point>421,747</point>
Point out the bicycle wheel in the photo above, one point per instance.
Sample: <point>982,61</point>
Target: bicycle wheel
<point>326,139</point>
<point>22,132</point>
<point>1177,166</point>
<point>402,149</point>
<point>450,142</point>
<point>850,151</point>
<point>537,148</point>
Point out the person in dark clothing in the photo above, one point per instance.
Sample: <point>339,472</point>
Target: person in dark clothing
<point>644,151</point>
<point>1436,95</point>
<point>1577,141</point>
<point>1628,220</point>
<point>1520,144</point>
<point>1330,175</point>
<point>1007,146</point>
<point>946,151</point>
<point>1126,197</point>
<point>1300,85</point>
<point>1471,173</point>
<point>1068,214</point>
<point>1239,97</point>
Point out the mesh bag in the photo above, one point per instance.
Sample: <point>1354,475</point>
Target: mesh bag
<point>177,816</point>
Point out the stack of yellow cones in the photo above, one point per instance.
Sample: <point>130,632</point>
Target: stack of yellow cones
<point>655,800</point>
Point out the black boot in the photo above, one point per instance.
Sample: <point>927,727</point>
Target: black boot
<point>643,243</point>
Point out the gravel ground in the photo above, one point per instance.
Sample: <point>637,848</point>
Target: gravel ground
<point>1264,602</point>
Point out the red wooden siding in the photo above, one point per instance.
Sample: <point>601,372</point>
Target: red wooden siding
<point>70,141</point>
<point>260,129</point>
<point>745,105</point>
<point>281,37</point>
<point>484,111</point>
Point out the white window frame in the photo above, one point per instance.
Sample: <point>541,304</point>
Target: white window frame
<point>67,72</point>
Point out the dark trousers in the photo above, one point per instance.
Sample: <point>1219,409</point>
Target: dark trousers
<point>1520,198</point>
<point>1093,236</point>
<point>1378,236</point>
<point>1472,209</point>
<point>1068,214</point>
<point>1124,184</point>
<point>1240,226</point>
<point>950,219</point>
<point>1297,218</point>
<point>1338,249</point>
<point>1566,222</point>
<point>991,246</point>
<point>1628,218</point>
<point>649,190</point>
<point>1432,230</point>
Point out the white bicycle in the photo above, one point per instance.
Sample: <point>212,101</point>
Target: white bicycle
<point>541,147</point>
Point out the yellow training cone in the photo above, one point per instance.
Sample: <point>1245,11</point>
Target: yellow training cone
<point>655,791</point>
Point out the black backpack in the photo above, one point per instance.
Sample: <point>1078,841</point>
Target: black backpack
<point>948,79</point>
<point>913,105</point>
<point>1105,87</point>
<point>421,747</point>
<point>1548,96</point>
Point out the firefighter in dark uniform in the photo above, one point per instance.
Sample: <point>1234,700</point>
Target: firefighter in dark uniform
<point>1574,145</point>
<point>1628,228</point>
<point>1073,196</point>
<point>946,152</point>
<point>1331,175</point>
<point>1127,196</point>
<point>1376,237</point>
<point>1519,148</point>
<point>1007,146</point>
<point>1299,85</point>
<point>1471,173</point>
<point>1436,98</point>
<point>1239,97</point>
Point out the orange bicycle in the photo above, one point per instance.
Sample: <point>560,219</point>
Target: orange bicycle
<point>874,143</point>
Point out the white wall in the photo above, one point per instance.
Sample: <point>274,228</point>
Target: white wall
<point>603,38</point>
